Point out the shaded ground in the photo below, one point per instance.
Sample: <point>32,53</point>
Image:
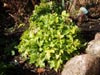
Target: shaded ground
<point>93,19</point>
<point>11,14</point>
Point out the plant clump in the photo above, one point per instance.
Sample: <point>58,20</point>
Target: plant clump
<point>51,38</point>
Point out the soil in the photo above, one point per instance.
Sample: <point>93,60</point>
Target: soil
<point>12,14</point>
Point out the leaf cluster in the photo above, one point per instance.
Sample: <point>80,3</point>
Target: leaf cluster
<point>52,38</point>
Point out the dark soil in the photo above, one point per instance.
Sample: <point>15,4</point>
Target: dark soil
<point>12,13</point>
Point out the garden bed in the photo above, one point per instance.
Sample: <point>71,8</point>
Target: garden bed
<point>9,20</point>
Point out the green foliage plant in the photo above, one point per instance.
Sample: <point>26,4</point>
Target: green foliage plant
<point>51,38</point>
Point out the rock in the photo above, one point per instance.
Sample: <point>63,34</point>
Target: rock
<point>97,36</point>
<point>83,10</point>
<point>82,65</point>
<point>93,48</point>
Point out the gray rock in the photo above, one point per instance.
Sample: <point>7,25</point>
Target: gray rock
<point>82,65</point>
<point>93,48</point>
